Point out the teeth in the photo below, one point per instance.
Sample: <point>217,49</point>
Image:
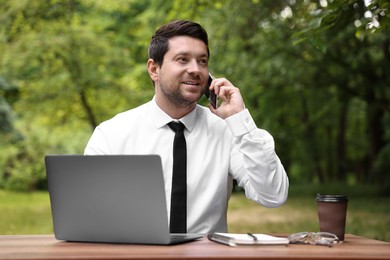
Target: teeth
<point>190,83</point>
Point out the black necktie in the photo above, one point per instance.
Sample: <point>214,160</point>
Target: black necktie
<point>178,221</point>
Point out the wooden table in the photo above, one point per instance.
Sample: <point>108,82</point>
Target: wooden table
<point>47,247</point>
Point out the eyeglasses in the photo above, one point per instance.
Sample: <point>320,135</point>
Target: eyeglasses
<point>313,238</point>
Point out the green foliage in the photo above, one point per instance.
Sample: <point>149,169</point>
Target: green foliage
<point>6,125</point>
<point>313,73</point>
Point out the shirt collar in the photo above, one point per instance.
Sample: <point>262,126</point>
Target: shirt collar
<point>160,118</point>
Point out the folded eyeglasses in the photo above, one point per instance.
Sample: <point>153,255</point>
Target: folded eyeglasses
<point>313,238</point>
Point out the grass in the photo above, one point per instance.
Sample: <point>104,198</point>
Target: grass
<point>25,213</point>
<point>368,215</point>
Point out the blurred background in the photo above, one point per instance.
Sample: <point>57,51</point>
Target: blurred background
<point>315,74</point>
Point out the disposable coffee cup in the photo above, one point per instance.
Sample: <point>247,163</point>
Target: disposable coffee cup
<point>332,214</point>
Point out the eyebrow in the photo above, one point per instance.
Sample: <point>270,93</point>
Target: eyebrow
<point>187,53</point>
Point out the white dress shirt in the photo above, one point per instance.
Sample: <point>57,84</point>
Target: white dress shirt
<point>217,151</point>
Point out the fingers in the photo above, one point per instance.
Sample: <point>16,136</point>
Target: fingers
<point>219,83</point>
<point>223,88</point>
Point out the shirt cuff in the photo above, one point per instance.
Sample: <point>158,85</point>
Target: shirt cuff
<point>241,123</point>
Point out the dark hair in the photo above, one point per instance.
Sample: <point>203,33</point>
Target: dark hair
<point>159,44</point>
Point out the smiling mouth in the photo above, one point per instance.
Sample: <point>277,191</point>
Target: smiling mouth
<point>190,83</point>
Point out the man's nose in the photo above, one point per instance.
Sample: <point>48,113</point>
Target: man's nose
<point>193,67</point>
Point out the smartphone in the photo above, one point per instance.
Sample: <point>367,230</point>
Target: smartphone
<point>212,97</point>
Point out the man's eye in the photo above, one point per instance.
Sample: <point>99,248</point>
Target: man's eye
<point>203,61</point>
<point>182,59</point>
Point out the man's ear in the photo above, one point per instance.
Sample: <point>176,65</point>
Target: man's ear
<point>153,69</point>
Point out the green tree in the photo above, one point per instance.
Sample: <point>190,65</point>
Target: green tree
<point>6,122</point>
<point>313,73</point>
<point>74,64</point>
<point>353,39</point>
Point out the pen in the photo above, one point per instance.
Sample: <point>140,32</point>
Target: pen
<point>252,236</point>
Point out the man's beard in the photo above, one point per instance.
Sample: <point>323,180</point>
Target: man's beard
<point>175,96</point>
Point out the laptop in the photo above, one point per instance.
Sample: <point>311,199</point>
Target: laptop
<point>110,199</point>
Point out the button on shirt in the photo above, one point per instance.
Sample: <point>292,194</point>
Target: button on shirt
<point>218,151</point>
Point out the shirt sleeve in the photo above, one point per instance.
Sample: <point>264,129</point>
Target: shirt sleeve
<point>254,163</point>
<point>97,144</point>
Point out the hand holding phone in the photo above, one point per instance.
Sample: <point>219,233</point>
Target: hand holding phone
<point>230,96</point>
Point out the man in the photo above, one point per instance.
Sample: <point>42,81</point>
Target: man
<point>222,144</point>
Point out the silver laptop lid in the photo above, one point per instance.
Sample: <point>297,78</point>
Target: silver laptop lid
<point>110,198</point>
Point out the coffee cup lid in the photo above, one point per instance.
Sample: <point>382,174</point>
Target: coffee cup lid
<point>331,198</point>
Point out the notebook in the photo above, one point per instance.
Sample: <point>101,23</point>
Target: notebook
<point>110,198</point>
<point>247,239</point>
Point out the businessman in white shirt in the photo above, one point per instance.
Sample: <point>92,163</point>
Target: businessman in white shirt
<point>222,143</point>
